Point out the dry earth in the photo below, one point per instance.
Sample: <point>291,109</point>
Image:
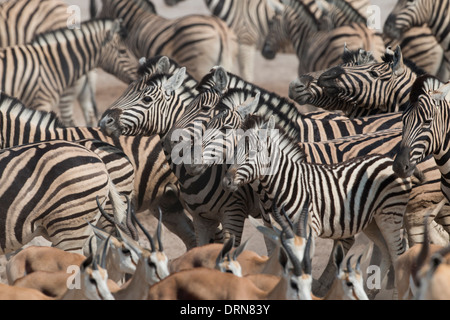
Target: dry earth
<point>274,75</point>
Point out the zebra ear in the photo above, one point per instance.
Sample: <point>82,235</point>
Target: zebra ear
<point>221,79</point>
<point>174,82</point>
<point>116,28</point>
<point>163,65</point>
<point>247,109</point>
<point>276,6</point>
<point>398,67</point>
<point>440,93</point>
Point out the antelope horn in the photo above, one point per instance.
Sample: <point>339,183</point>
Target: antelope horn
<point>103,256</point>
<point>358,264</point>
<point>149,237</point>
<point>239,249</point>
<point>113,221</point>
<point>295,262</point>
<point>284,226</point>
<point>158,231</point>
<point>289,221</point>
<point>129,221</point>
<point>306,256</point>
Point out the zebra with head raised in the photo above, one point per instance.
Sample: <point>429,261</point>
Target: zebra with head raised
<point>408,14</point>
<point>362,194</point>
<point>197,42</point>
<point>316,49</point>
<point>55,60</point>
<point>383,86</point>
<point>426,129</point>
<point>50,189</point>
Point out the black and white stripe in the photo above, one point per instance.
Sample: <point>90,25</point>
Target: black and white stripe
<point>50,189</point>
<point>137,165</point>
<point>197,42</point>
<point>436,14</point>
<point>38,73</point>
<point>317,49</point>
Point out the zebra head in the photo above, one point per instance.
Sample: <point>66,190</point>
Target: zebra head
<point>425,124</point>
<point>191,126</point>
<point>407,14</point>
<point>220,133</point>
<point>149,110</point>
<point>382,86</point>
<point>115,57</point>
<point>256,154</point>
<point>305,89</point>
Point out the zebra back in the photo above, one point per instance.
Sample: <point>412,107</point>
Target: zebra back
<point>50,189</point>
<point>149,35</point>
<point>22,20</point>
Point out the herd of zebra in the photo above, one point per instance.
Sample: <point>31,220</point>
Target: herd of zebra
<point>373,158</point>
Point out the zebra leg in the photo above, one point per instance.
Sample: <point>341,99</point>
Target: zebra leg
<point>205,228</point>
<point>86,98</point>
<point>246,58</point>
<point>66,105</point>
<point>321,286</point>
<point>175,219</point>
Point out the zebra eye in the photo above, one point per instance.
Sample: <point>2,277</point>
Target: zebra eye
<point>147,99</point>
<point>373,73</point>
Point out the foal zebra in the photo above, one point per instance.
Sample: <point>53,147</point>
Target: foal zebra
<point>436,14</point>
<point>195,41</point>
<point>38,73</point>
<point>426,129</point>
<point>150,179</point>
<point>359,195</point>
<point>50,189</point>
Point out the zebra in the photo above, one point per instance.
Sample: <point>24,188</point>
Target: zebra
<point>197,42</point>
<point>150,178</point>
<point>38,73</point>
<point>50,189</point>
<point>425,129</point>
<point>418,44</point>
<point>316,49</point>
<point>436,14</point>
<point>281,176</point>
<point>383,86</point>
<point>23,20</point>
<point>249,19</point>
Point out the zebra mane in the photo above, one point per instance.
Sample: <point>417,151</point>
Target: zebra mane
<point>147,5</point>
<point>389,58</point>
<point>359,56</point>
<point>423,85</point>
<point>285,112</point>
<point>14,109</point>
<point>304,12</point>
<point>285,140</point>
<point>64,34</point>
<point>348,10</point>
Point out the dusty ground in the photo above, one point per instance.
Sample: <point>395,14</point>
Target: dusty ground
<point>273,75</point>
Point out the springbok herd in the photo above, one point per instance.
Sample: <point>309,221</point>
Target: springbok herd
<point>197,139</point>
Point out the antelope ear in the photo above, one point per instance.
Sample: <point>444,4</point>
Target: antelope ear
<point>398,67</point>
<point>440,93</point>
<point>338,255</point>
<point>247,108</point>
<point>163,65</point>
<point>221,79</point>
<point>174,82</point>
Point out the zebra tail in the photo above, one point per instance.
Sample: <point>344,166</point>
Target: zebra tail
<point>118,205</point>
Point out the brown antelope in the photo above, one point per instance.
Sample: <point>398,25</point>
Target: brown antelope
<point>413,259</point>
<point>93,283</point>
